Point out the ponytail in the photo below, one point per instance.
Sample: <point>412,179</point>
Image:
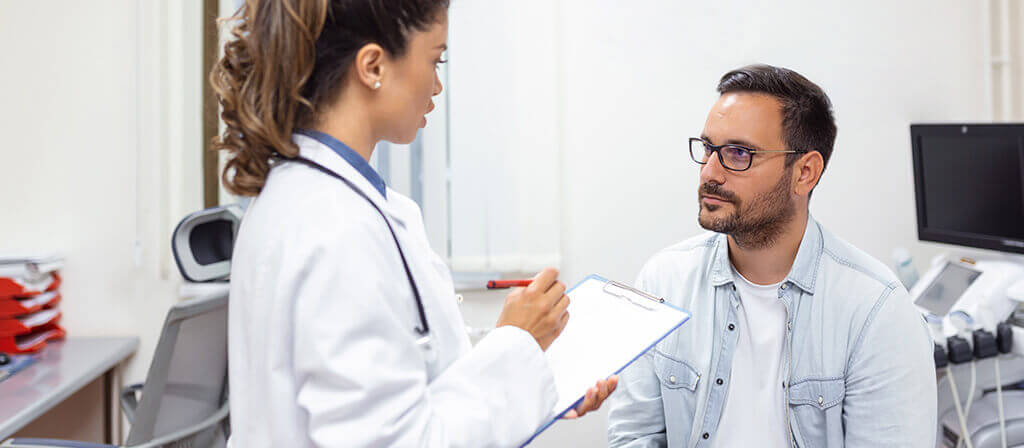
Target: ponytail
<point>258,83</point>
<point>286,59</point>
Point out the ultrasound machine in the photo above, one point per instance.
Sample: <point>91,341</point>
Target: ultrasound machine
<point>969,186</point>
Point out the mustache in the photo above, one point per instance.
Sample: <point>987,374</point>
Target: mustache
<point>716,190</point>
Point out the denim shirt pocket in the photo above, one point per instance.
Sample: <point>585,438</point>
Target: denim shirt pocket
<point>675,373</point>
<point>816,405</point>
<point>679,382</point>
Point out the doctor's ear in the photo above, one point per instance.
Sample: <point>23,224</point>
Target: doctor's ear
<point>807,172</point>
<point>369,66</point>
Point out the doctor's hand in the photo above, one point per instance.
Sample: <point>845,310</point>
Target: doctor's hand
<point>594,397</point>
<point>540,308</point>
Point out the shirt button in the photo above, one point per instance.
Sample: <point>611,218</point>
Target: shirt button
<point>732,327</point>
<point>705,436</point>
<point>672,379</point>
<point>719,381</point>
<point>783,286</point>
<point>789,325</point>
<point>821,400</point>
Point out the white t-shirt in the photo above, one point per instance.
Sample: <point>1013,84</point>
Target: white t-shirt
<point>755,408</point>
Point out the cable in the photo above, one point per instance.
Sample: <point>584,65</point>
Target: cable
<point>970,399</point>
<point>999,399</point>
<point>1004,340</point>
<point>964,436</point>
<point>970,395</point>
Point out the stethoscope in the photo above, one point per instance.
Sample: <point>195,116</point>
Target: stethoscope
<point>423,330</point>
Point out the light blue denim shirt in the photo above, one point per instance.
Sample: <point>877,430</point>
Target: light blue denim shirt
<point>857,353</point>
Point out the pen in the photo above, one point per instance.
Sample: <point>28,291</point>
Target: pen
<point>502,284</point>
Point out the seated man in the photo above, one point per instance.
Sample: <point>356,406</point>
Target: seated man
<point>797,337</point>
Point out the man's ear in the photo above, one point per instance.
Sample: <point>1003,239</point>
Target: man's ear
<point>808,172</point>
<point>369,66</point>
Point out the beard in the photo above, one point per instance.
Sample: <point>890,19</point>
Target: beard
<point>756,225</point>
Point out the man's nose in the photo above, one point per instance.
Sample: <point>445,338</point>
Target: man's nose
<point>713,171</point>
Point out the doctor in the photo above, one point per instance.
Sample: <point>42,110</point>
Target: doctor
<point>343,327</point>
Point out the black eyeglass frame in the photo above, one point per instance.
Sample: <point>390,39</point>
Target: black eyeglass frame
<point>718,149</point>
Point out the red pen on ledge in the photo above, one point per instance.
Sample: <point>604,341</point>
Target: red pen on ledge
<point>502,284</point>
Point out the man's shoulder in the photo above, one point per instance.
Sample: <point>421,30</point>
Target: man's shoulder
<point>870,298</point>
<point>857,286</point>
<point>852,262</point>
<point>690,254</point>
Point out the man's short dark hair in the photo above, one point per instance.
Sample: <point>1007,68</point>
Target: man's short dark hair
<point>807,120</point>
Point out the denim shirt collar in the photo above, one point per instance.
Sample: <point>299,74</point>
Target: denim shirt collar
<point>353,158</point>
<point>804,272</point>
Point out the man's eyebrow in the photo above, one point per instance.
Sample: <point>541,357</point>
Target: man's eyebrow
<point>732,141</point>
<point>741,142</point>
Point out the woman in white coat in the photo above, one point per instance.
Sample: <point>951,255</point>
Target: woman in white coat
<point>343,327</point>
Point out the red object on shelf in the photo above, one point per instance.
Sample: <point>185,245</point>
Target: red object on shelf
<point>28,323</point>
<point>32,342</point>
<point>19,287</point>
<point>12,307</point>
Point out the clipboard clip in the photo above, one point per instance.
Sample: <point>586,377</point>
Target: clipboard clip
<point>634,296</point>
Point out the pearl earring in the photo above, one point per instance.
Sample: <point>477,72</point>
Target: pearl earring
<point>376,85</point>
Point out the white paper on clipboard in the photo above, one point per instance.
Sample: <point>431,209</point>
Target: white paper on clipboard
<point>610,326</point>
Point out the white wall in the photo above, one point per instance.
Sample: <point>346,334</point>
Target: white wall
<point>99,158</point>
<point>635,79</point>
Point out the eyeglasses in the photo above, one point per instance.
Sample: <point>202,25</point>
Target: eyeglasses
<point>732,157</point>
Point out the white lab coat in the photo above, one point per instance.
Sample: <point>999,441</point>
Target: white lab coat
<point>322,345</point>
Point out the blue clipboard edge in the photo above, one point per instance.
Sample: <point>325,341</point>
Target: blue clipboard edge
<point>580,400</point>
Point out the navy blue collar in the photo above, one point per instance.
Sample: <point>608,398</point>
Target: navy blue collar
<point>353,158</point>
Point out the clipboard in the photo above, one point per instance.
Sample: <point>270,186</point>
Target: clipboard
<point>610,326</point>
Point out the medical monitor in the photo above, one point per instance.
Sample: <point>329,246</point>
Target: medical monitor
<point>968,184</point>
